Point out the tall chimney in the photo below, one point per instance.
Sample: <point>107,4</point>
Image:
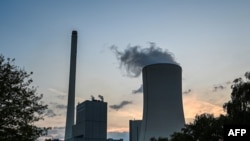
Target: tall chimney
<point>71,91</point>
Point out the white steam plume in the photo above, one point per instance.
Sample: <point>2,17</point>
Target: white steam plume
<point>134,58</point>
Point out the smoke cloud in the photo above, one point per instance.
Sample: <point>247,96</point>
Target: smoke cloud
<point>134,58</point>
<point>101,97</point>
<point>139,90</point>
<point>187,91</point>
<point>121,105</point>
<point>92,97</point>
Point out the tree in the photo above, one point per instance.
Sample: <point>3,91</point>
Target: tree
<point>20,105</point>
<point>181,136</point>
<point>204,127</point>
<point>159,139</point>
<point>238,108</point>
<point>207,127</point>
<point>162,139</point>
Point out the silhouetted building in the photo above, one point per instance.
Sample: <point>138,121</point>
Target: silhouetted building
<point>162,101</point>
<point>134,129</point>
<point>91,121</point>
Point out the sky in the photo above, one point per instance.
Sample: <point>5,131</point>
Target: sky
<point>209,39</point>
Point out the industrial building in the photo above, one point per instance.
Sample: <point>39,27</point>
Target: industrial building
<point>162,105</point>
<point>91,121</point>
<point>162,101</point>
<point>134,129</point>
<point>91,116</point>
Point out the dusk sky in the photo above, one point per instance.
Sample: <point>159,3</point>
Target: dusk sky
<point>210,39</point>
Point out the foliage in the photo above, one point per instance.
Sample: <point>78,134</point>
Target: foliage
<point>159,139</point>
<point>20,106</point>
<point>181,136</point>
<point>238,108</point>
<point>207,127</point>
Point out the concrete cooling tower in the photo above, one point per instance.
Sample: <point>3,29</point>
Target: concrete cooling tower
<point>162,101</point>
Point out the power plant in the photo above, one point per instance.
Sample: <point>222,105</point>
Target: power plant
<point>162,105</point>
<point>91,116</point>
<point>162,101</point>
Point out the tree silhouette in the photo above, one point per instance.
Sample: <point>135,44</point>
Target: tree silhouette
<point>204,127</point>
<point>159,139</point>
<point>207,127</point>
<point>238,108</point>
<point>20,106</point>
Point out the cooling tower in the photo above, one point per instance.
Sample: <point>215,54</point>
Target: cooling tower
<point>71,92</point>
<point>162,101</point>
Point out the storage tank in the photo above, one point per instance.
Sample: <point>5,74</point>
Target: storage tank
<point>162,101</point>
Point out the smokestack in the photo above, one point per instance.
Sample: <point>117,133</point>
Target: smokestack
<point>162,101</point>
<point>71,91</point>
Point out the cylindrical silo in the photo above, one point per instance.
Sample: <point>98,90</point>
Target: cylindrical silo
<point>162,101</point>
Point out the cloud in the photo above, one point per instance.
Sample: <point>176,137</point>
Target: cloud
<point>218,87</point>
<point>139,90</point>
<point>58,120</point>
<point>50,113</point>
<point>228,82</point>
<point>56,91</point>
<point>57,132</point>
<point>62,97</point>
<point>61,106</point>
<point>187,91</point>
<point>54,133</point>
<point>79,99</point>
<point>221,86</point>
<point>60,94</point>
<point>55,109</point>
<point>195,106</point>
<point>134,58</point>
<point>58,106</point>
<point>121,105</point>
